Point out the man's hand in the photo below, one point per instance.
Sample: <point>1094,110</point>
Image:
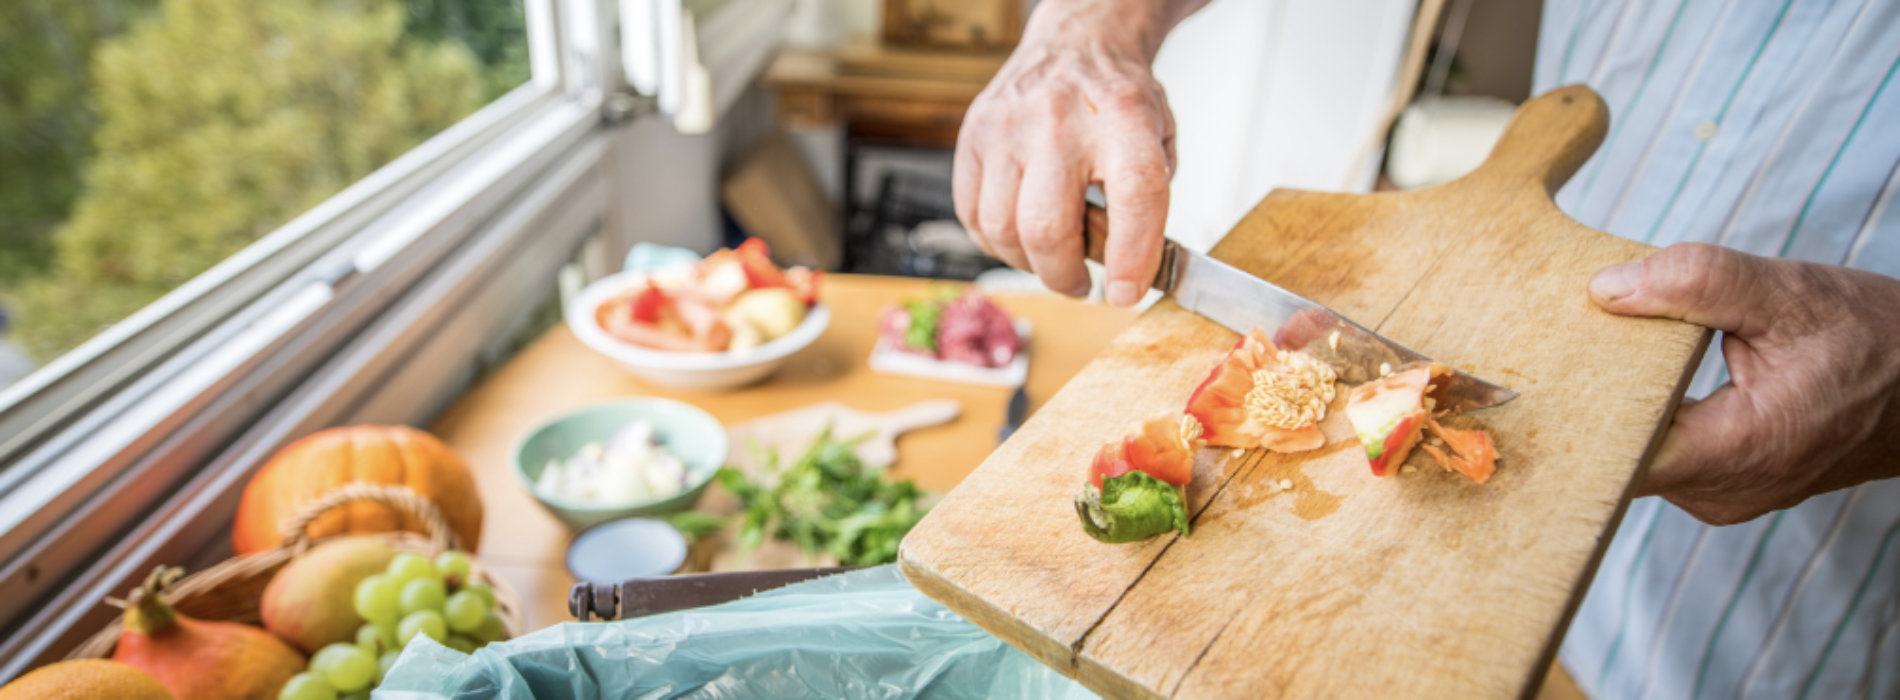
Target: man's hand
<point>1075,104</point>
<point>1813,399</point>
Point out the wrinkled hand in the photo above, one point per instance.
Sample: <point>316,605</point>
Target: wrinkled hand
<point>1075,104</point>
<point>1813,399</point>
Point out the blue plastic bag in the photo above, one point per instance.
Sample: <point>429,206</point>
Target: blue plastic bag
<point>863,634</point>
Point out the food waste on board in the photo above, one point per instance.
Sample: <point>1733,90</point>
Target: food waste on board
<point>1260,396</point>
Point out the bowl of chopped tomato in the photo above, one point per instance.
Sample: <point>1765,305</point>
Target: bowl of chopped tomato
<point>725,322</point>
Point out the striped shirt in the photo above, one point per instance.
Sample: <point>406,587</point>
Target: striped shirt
<point>1773,127</point>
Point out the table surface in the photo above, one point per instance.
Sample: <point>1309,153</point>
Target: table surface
<point>525,545</point>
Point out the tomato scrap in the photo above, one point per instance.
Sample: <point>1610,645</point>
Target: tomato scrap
<point>1137,485</point>
<point>1472,452</point>
<point>1162,446</point>
<point>1388,414</point>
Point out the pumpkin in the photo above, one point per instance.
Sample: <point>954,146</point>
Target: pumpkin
<point>314,466</point>
<point>86,679</point>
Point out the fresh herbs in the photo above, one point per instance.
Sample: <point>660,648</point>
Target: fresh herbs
<point>827,502</point>
<point>694,524</point>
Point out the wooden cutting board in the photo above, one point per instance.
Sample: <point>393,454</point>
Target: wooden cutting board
<point>792,432</point>
<point>1345,585</point>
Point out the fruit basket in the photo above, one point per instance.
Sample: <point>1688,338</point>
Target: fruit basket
<point>233,589</point>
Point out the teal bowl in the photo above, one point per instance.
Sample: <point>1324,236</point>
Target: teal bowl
<point>692,434</point>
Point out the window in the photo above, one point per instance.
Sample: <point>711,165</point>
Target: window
<point>427,209</point>
<point>291,213</point>
<point>148,140</point>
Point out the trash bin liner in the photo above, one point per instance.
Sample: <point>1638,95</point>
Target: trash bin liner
<point>862,634</point>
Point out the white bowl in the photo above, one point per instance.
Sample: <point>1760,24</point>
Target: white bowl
<point>700,371</point>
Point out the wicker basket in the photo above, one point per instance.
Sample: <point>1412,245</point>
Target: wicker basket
<point>233,589</point>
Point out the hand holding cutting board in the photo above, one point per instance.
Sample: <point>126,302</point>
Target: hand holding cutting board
<point>1813,399</point>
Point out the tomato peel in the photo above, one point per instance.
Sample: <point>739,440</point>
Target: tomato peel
<point>1390,413</point>
<point>1473,454</point>
<point>1161,446</point>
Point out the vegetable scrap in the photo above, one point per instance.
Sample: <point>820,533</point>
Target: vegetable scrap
<point>826,502</point>
<point>1472,453</point>
<point>1392,412</point>
<point>1263,396</point>
<point>734,300</point>
<point>1388,414</point>
<point>1137,485</point>
<point>952,325</point>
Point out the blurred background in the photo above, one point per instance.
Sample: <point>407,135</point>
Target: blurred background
<point>143,141</point>
<point>229,225</point>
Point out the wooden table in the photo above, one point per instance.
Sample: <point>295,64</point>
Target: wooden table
<point>525,545</point>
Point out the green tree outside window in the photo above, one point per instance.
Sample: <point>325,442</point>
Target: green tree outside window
<point>206,124</point>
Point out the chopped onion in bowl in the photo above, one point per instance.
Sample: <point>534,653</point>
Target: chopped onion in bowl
<point>630,468</point>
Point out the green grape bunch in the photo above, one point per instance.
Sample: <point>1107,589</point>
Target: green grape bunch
<point>415,597</point>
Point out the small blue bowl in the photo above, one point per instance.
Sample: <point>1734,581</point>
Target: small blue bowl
<point>688,432</point>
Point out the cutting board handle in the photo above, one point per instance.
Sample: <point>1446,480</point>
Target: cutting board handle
<point>922,414</point>
<point>1546,141</point>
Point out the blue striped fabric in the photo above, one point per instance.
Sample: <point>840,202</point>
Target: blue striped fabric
<point>1770,126</point>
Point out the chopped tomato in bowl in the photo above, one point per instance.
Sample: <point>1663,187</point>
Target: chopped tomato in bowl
<point>730,320</point>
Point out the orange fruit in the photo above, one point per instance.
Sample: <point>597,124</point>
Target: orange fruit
<point>85,679</point>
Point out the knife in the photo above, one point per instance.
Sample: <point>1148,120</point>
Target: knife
<point>1242,302</point>
<point>1014,414</point>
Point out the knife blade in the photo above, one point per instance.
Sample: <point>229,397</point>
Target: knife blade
<point>1014,414</point>
<point>1242,302</point>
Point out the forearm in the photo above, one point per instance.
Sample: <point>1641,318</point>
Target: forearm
<point>1137,26</point>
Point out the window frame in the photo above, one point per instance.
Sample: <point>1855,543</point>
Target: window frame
<point>118,454</point>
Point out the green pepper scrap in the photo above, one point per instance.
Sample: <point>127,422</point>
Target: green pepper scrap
<point>1131,507</point>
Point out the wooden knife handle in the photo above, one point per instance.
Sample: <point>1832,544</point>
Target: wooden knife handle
<point>1095,233</point>
<point>1095,246</point>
